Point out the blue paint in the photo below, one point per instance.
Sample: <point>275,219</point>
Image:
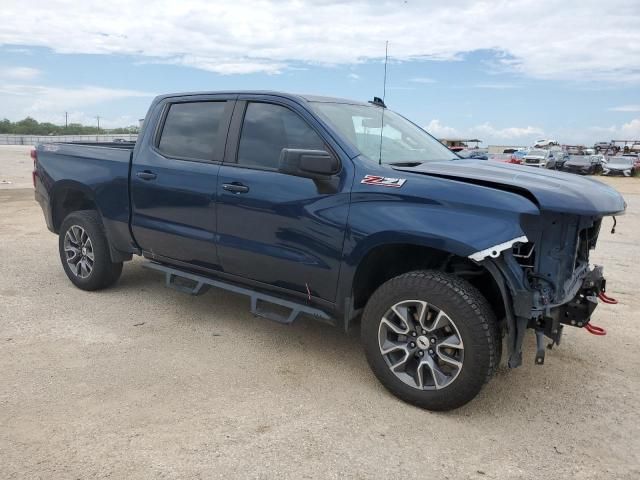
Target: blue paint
<point>297,235</point>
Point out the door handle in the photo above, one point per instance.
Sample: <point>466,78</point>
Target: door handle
<point>146,175</point>
<point>235,187</point>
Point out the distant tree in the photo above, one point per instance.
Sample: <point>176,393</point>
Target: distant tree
<point>30,126</point>
<point>5,126</point>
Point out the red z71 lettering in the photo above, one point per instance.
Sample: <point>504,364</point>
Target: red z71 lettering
<point>383,181</point>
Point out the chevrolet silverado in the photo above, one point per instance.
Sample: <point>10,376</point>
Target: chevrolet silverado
<point>344,211</point>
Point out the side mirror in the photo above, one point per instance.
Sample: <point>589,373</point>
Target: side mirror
<point>307,163</point>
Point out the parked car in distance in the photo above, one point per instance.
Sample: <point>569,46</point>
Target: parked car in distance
<point>505,158</point>
<point>519,154</point>
<point>298,203</point>
<point>582,164</point>
<point>574,149</point>
<point>636,159</point>
<point>536,158</point>
<point>632,148</point>
<point>605,147</point>
<point>480,156</point>
<point>556,159</point>
<point>474,154</point>
<point>545,143</point>
<point>620,165</point>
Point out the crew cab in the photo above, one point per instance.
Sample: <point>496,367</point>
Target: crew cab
<point>344,211</point>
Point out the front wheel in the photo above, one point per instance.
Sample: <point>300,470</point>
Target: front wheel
<point>431,339</point>
<point>84,252</point>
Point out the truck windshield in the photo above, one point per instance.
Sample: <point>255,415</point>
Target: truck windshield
<point>402,141</point>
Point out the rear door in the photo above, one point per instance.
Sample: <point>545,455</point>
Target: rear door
<point>174,178</point>
<point>274,228</point>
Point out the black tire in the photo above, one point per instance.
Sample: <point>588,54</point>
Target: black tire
<point>473,318</point>
<point>104,272</point>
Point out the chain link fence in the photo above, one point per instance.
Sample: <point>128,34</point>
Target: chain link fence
<point>6,139</point>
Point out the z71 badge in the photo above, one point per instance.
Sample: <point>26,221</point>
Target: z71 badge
<point>383,181</point>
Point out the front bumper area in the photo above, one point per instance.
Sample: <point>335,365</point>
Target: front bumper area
<point>527,308</point>
<point>576,313</point>
<point>612,172</point>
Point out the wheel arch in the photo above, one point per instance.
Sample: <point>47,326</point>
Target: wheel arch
<point>385,260</point>
<point>69,196</point>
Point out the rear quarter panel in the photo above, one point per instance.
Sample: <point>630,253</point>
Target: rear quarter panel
<point>102,173</point>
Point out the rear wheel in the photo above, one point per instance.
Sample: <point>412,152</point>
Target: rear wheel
<point>431,339</point>
<point>84,252</point>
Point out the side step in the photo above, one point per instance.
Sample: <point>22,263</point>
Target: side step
<point>198,284</point>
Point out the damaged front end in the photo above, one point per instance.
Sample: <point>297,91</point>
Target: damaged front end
<point>542,268</point>
<point>546,280</point>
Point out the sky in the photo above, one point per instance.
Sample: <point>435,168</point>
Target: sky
<point>506,72</point>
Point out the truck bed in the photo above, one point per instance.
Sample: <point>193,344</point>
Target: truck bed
<point>100,169</point>
<point>89,149</point>
<point>127,145</point>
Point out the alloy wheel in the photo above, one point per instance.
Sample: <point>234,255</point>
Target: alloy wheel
<point>79,251</point>
<point>421,345</point>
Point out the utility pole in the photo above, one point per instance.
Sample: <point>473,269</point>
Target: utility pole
<point>98,117</point>
<point>66,118</point>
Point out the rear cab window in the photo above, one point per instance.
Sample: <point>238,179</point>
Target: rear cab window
<point>193,130</point>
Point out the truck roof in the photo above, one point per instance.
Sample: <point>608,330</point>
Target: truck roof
<point>292,96</point>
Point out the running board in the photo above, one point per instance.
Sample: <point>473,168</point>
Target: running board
<point>200,285</point>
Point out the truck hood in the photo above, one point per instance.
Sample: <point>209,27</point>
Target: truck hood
<point>550,190</point>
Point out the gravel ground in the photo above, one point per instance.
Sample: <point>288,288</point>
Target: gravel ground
<point>15,166</point>
<point>143,382</point>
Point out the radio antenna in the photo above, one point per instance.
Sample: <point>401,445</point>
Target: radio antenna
<point>384,94</point>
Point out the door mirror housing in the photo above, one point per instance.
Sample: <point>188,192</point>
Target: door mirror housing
<point>308,163</point>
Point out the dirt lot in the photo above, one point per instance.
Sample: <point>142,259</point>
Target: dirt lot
<point>15,166</point>
<point>143,382</point>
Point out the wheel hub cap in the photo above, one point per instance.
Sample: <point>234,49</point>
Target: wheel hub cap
<point>422,342</point>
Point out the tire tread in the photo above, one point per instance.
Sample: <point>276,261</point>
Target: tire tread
<point>484,335</point>
<point>105,272</point>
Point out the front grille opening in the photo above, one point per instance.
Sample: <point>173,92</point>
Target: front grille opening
<point>525,254</point>
<point>587,239</point>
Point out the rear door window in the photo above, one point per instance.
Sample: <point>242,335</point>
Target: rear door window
<point>193,130</point>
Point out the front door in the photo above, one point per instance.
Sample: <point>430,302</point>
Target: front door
<point>174,179</point>
<point>278,229</point>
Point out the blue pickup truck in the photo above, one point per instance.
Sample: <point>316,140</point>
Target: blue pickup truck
<point>344,211</point>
